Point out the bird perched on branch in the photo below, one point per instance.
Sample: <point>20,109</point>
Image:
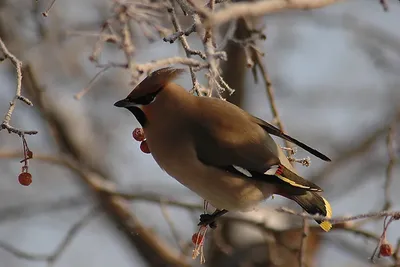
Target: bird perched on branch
<point>218,150</point>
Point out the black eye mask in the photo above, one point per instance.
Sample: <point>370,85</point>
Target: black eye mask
<point>147,99</point>
<point>139,114</point>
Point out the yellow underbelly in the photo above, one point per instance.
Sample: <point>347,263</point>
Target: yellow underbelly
<point>225,191</point>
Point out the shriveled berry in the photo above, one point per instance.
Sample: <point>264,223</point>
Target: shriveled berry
<point>138,134</point>
<point>386,250</point>
<point>144,147</point>
<point>29,154</point>
<point>197,238</point>
<point>25,178</point>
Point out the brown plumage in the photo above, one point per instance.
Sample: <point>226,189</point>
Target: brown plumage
<point>218,150</point>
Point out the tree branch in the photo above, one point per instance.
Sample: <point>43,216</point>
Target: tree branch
<point>260,8</point>
<point>18,96</point>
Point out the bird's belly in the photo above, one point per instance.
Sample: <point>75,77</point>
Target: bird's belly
<point>221,189</point>
<point>226,191</point>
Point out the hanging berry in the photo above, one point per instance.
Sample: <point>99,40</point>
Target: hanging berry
<point>144,147</point>
<point>138,134</point>
<point>25,178</point>
<point>385,250</point>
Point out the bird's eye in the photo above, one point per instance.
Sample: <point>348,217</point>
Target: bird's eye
<point>147,99</point>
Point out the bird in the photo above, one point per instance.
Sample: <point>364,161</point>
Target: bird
<point>218,150</point>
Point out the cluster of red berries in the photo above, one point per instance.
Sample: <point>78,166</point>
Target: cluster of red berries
<point>25,178</point>
<point>138,135</point>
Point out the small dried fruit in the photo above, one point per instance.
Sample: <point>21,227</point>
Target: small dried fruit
<point>25,178</point>
<point>386,250</point>
<point>144,147</point>
<point>29,154</point>
<point>138,134</point>
<point>197,238</point>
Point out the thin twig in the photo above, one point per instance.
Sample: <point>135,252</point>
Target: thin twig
<point>271,96</point>
<point>52,258</point>
<point>395,214</point>
<point>46,12</point>
<point>18,96</point>
<point>391,163</point>
<point>71,234</point>
<point>185,45</point>
<point>104,187</point>
<point>172,38</point>
<point>303,243</point>
<point>22,254</point>
<point>353,151</point>
<point>89,86</point>
<point>215,81</point>
<point>31,209</point>
<point>171,225</point>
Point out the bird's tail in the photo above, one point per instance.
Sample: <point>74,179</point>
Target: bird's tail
<point>315,204</point>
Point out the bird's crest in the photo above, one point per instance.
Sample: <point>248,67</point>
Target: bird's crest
<point>155,81</point>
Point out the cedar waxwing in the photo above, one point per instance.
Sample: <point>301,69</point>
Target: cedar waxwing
<point>218,150</point>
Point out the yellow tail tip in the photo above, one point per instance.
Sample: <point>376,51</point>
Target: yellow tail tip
<point>325,225</point>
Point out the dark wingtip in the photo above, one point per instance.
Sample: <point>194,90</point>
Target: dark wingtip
<point>323,157</point>
<point>306,147</point>
<point>271,129</point>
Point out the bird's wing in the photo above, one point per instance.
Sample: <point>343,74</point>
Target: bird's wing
<point>275,131</point>
<point>277,175</point>
<point>241,146</point>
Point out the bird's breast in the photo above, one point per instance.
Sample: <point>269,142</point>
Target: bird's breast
<point>222,189</point>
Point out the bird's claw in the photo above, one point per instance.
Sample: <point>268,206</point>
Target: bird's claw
<point>208,220</point>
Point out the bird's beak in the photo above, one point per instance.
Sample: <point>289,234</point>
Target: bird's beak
<point>124,103</point>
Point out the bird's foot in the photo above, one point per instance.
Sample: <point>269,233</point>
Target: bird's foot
<point>209,219</point>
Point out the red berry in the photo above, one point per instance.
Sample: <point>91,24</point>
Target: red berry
<point>138,134</point>
<point>197,238</point>
<point>386,250</point>
<point>25,178</point>
<point>144,147</point>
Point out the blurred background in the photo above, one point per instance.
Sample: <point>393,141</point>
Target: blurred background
<point>335,73</point>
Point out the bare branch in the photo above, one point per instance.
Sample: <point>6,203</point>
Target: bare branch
<point>52,258</point>
<point>185,45</point>
<point>18,96</point>
<point>260,8</point>
<point>303,243</point>
<point>395,214</point>
<point>72,232</point>
<point>22,254</point>
<point>172,227</point>
<point>172,38</point>
<point>391,163</point>
<point>46,12</point>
